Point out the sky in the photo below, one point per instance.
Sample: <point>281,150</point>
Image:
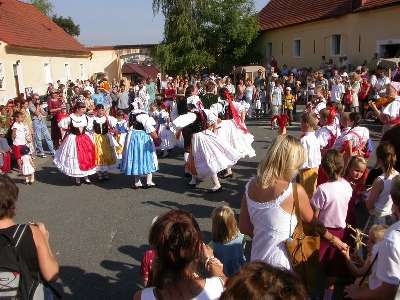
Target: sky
<point>116,22</point>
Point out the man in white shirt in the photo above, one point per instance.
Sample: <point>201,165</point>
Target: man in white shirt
<point>385,277</point>
<point>337,90</point>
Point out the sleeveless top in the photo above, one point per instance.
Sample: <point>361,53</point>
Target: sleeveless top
<point>100,128</point>
<point>75,130</point>
<point>212,290</point>
<point>200,124</point>
<point>384,203</point>
<point>26,248</point>
<point>272,227</point>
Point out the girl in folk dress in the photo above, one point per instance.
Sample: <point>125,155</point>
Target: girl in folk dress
<point>354,139</point>
<point>168,139</point>
<point>103,142</point>
<point>5,155</point>
<point>209,155</point>
<point>231,129</point>
<point>139,157</point>
<point>121,130</point>
<point>76,156</point>
<point>28,169</point>
<point>327,136</point>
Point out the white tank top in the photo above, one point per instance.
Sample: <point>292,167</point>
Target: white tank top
<point>272,227</point>
<point>384,203</point>
<point>212,290</point>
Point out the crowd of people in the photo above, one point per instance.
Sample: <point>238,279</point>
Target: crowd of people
<point>320,180</point>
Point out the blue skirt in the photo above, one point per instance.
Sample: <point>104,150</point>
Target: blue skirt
<point>139,156</point>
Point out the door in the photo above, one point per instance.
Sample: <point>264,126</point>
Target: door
<point>15,69</point>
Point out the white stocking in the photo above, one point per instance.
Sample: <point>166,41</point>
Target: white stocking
<point>216,182</point>
<point>149,179</point>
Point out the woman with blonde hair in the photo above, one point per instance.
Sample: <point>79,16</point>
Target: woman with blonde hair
<point>267,209</point>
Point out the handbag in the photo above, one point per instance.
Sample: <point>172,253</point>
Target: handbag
<point>303,249</point>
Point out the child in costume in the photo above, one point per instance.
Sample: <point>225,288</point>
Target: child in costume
<point>309,172</point>
<point>168,139</point>
<point>209,154</point>
<point>139,156</point>
<point>5,154</point>
<point>103,142</point>
<point>121,130</point>
<point>76,156</point>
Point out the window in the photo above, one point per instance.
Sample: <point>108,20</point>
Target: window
<point>2,76</point>
<point>269,50</point>
<point>67,72</point>
<point>314,46</point>
<point>336,44</point>
<point>297,48</point>
<point>282,49</point>
<point>47,73</point>
<point>82,72</point>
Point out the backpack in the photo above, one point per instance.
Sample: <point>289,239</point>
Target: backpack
<point>16,280</point>
<point>15,277</point>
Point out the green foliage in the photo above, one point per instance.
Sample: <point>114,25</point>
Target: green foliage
<point>67,24</point>
<point>45,6</point>
<point>200,34</point>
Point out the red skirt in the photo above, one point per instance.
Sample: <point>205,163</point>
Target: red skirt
<point>17,151</point>
<point>6,168</point>
<point>85,152</point>
<point>332,260</point>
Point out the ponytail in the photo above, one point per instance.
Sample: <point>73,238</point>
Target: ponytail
<point>387,155</point>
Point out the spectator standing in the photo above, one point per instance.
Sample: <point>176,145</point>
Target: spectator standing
<point>123,100</point>
<point>151,90</point>
<point>40,127</point>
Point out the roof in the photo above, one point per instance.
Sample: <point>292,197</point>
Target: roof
<point>283,13</point>
<point>23,25</point>
<point>144,71</point>
<point>119,47</point>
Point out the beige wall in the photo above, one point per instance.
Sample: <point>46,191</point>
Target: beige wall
<point>105,61</point>
<point>370,27</point>
<point>32,73</point>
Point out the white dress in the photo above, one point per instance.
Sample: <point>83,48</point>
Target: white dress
<point>210,153</point>
<point>27,168</point>
<point>231,133</point>
<point>168,140</point>
<point>272,227</point>
<point>358,137</point>
<point>66,156</point>
<point>212,290</point>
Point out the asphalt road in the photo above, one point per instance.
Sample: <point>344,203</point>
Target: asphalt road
<point>99,232</point>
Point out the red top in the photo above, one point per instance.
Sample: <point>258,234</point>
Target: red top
<point>169,93</point>
<point>54,104</point>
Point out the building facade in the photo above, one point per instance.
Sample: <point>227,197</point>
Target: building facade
<point>300,34</point>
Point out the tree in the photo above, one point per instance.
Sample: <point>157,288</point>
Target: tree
<point>45,6</point>
<point>231,26</point>
<point>67,24</point>
<point>183,48</point>
<point>200,34</point>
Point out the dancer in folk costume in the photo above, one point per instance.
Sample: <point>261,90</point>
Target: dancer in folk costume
<point>76,156</point>
<point>120,132</point>
<point>327,136</point>
<point>231,129</point>
<point>354,140</point>
<point>209,154</point>
<point>103,141</point>
<point>139,157</point>
<point>168,139</point>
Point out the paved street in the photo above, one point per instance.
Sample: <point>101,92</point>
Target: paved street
<point>99,232</point>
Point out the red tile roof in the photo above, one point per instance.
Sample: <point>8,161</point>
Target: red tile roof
<point>23,25</point>
<point>142,70</point>
<point>282,13</point>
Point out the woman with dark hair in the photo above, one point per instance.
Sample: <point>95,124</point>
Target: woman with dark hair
<point>76,156</point>
<point>33,246</point>
<point>258,280</point>
<point>181,257</point>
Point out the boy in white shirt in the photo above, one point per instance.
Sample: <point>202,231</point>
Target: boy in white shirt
<point>337,90</point>
<point>309,171</point>
<point>19,134</point>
